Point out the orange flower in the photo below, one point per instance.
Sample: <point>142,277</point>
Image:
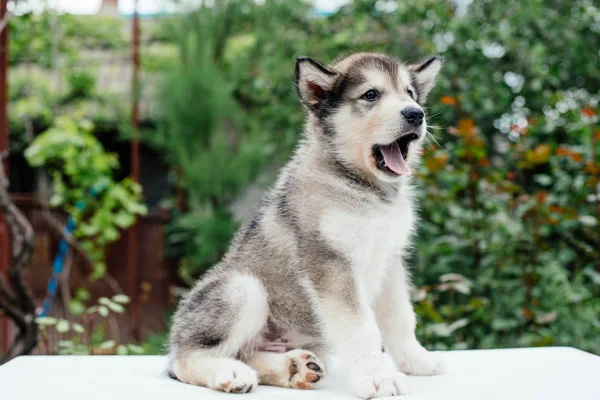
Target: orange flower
<point>466,126</point>
<point>563,151</point>
<point>527,314</point>
<point>541,197</point>
<point>588,112</point>
<point>539,155</point>
<point>591,168</point>
<point>468,131</point>
<point>448,100</point>
<point>484,162</point>
<point>511,176</point>
<point>437,161</point>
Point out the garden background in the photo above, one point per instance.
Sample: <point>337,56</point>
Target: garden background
<point>508,248</point>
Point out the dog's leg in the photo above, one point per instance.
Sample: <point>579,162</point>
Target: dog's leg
<point>216,323</point>
<point>397,322</point>
<point>297,369</point>
<point>355,337</point>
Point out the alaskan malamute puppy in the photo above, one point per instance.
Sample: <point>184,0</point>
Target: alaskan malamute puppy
<point>320,266</point>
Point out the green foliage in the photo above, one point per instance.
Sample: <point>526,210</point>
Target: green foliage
<point>95,32</point>
<point>31,39</point>
<point>526,226</point>
<point>29,109</point>
<point>27,115</point>
<point>156,343</point>
<point>83,342</point>
<point>46,53</point>
<point>158,57</point>
<point>199,238</point>
<point>81,85</point>
<point>39,37</point>
<point>200,135</point>
<point>83,186</point>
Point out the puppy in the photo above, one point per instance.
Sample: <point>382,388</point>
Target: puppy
<point>319,268</point>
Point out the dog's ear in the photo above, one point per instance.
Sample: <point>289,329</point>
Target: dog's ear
<point>313,81</point>
<point>424,75</point>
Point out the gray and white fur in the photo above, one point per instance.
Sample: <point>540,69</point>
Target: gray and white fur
<point>320,268</point>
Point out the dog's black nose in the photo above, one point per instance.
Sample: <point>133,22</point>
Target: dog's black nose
<point>413,116</point>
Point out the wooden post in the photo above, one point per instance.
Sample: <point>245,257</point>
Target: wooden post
<point>4,239</point>
<point>133,234</point>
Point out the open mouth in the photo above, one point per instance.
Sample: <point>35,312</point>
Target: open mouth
<point>393,158</point>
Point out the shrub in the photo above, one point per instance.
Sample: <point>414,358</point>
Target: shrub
<point>200,135</point>
<point>81,85</point>
<point>83,186</point>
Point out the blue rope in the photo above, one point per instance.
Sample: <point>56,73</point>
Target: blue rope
<point>59,259</point>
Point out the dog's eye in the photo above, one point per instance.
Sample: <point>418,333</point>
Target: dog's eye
<point>410,93</point>
<point>371,95</point>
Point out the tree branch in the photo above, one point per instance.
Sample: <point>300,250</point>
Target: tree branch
<point>16,300</point>
<point>58,227</point>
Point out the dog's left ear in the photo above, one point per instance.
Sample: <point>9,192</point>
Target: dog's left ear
<point>313,81</point>
<point>425,73</point>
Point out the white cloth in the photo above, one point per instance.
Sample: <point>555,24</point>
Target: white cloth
<point>541,373</point>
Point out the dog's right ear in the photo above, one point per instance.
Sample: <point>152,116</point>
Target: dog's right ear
<point>313,81</point>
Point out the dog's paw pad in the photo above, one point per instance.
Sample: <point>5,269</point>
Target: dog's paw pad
<point>304,369</point>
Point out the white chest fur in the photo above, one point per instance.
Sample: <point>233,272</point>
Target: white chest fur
<point>371,238</point>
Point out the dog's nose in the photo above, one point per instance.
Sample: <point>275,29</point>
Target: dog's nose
<point>413,116</point>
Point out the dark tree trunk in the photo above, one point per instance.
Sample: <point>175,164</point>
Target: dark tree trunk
<point>15,298</point>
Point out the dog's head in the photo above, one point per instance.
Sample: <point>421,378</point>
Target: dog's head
<point>369,108</point>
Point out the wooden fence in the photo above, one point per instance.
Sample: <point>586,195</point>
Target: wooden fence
<point>150,294</point>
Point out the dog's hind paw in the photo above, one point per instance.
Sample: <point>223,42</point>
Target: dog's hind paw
<point>304,369</point>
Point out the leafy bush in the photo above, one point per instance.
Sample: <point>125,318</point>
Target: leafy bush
<point>83,186</point>
<point>84,339</point>
<point>31,39</point>
<point>200,135</point>
<point>98,32</point>
<point>30,101</point>
<point>26,116</point>
<point>523,237</point>
<point>39,37</point>
<point>81,85</point>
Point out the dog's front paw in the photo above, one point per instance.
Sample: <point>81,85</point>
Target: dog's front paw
<point>416,360</point>
<point>388,383</point>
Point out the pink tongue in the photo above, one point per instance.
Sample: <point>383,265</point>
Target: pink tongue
<point>394,160</point>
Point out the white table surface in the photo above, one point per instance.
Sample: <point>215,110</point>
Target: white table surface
<point>542,373</point>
